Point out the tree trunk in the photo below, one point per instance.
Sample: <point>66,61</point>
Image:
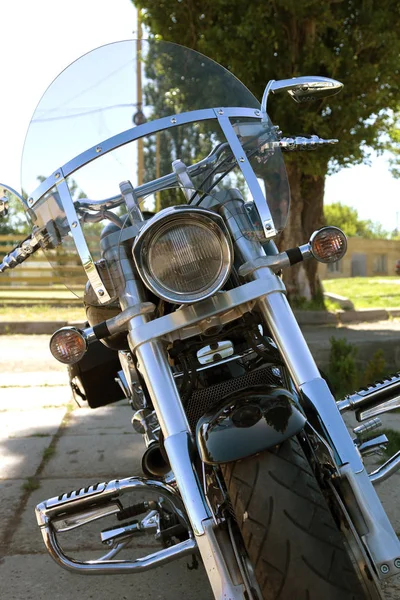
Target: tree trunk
<point>306,215</point>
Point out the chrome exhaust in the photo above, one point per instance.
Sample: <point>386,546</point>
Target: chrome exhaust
<point>154,463</point>
<point>373,400</point>
<point>83,506</point>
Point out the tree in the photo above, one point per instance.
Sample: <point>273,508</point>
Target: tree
<point>345,217</point>
<point>355,41</point>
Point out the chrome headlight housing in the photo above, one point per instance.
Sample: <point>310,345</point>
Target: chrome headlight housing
<point>184,254</point>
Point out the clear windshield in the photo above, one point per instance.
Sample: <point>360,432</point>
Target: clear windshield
<point>122,86</point>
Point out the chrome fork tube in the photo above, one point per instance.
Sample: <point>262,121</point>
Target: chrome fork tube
<point>178,443</point>
<point>363,503</point>
<point>155,369</point>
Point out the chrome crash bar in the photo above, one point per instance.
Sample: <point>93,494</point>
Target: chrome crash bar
<point>80,507</point>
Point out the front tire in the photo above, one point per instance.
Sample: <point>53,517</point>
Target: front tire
<point>291,538</point>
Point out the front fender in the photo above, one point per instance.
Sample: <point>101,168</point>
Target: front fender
<point>247,422</point>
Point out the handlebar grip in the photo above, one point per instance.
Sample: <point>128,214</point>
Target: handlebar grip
<point>19,254</point>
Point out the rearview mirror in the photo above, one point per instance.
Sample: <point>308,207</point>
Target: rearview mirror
<point>6,192</point>
<point>3,207</point>
<point>302,89</point>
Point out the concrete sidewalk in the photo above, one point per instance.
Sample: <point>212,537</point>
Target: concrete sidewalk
<point>47,441</point>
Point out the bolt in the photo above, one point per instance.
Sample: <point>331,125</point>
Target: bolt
<point>30,201</point>
<point>268,227</point>
<point>57,175</point>
<point>257,113</point>
<point>220,112</point>
<point>385,569</point>
<point>397,563</point>
<point>173,120</point>
<point>101,292</point>
<point>98,149</point>
<point>241,159</point>
<point>74,224</point>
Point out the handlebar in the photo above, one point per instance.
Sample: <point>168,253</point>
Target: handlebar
<point>286,144</point>
<point>19,254</point>
<point>151,187</point>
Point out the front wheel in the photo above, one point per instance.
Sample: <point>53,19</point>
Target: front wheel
<point>291,538</point>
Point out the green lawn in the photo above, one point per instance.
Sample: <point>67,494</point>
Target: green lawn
<point>367,292</point>
<point>32,295</point>
<point>41,312</point>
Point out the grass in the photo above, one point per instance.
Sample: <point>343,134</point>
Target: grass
<point>42,312</point>
<point>49,452</point>
<point>367,292</point>
<point>27,293</point>
<point>394,441</point>
<point>31,485</point>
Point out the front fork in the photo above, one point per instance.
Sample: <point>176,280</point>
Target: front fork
<point>362,501</point>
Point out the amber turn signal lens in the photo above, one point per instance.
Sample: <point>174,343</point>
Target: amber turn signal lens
<point>68,345</point>
<point>328,244</point>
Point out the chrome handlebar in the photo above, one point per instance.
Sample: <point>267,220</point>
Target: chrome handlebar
<point>19,254</point>
<point>151,187</point>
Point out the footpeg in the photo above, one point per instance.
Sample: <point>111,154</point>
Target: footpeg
<point>373,400</point>
<point>80,507</point>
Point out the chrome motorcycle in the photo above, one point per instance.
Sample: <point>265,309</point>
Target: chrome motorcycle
<point>248,462</point>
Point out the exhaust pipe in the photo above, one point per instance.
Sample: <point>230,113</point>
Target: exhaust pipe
<point>373,400</point>
<point>154,462</point>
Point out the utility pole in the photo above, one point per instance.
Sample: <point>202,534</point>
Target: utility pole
<point>139,94</point>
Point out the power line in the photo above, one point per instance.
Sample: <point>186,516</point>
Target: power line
<point>82,114</point>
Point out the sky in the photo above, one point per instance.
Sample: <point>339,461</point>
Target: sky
<point>41,38</point>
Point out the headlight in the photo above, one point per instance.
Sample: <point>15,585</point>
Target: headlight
<point>184,254</point>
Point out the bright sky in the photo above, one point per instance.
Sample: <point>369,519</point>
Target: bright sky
<point>40,38</point>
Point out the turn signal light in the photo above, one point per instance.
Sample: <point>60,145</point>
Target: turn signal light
<point>68,345</point>
<point>328,244</point>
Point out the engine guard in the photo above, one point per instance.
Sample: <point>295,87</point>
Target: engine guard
<point>247,422</point>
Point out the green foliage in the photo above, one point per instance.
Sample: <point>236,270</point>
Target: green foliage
<point>342,371</point>
<point>394,441</point>
<point>376,367</point>
<point>347,219</point>
<point>354,41</point>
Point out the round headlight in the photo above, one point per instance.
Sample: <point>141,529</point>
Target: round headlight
<point>184,254</point>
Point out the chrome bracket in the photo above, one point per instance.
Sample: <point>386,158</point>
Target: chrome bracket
<point>186,184</point>
<point>259,198</point>
<point>80,242</point>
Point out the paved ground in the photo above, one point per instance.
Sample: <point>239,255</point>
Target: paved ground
<point>86,446</point>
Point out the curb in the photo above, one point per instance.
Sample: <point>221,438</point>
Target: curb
<point>304,317</point>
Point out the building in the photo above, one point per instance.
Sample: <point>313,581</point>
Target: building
<point>364,258</point>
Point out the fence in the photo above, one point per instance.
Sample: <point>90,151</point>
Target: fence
<point>41,272</point>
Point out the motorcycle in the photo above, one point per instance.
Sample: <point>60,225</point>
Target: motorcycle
<point>248,465</point>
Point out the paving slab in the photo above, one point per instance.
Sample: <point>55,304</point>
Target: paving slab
<point>11,492</point>
<point>28,539</point>
<point>34,397</point>
<point>23,353</point>
<point>20,458</point>
<point>33,379</point>
<point>30,423</point>
<point>105,420</point>
<point>37,577</point>
<point>96,457</point>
